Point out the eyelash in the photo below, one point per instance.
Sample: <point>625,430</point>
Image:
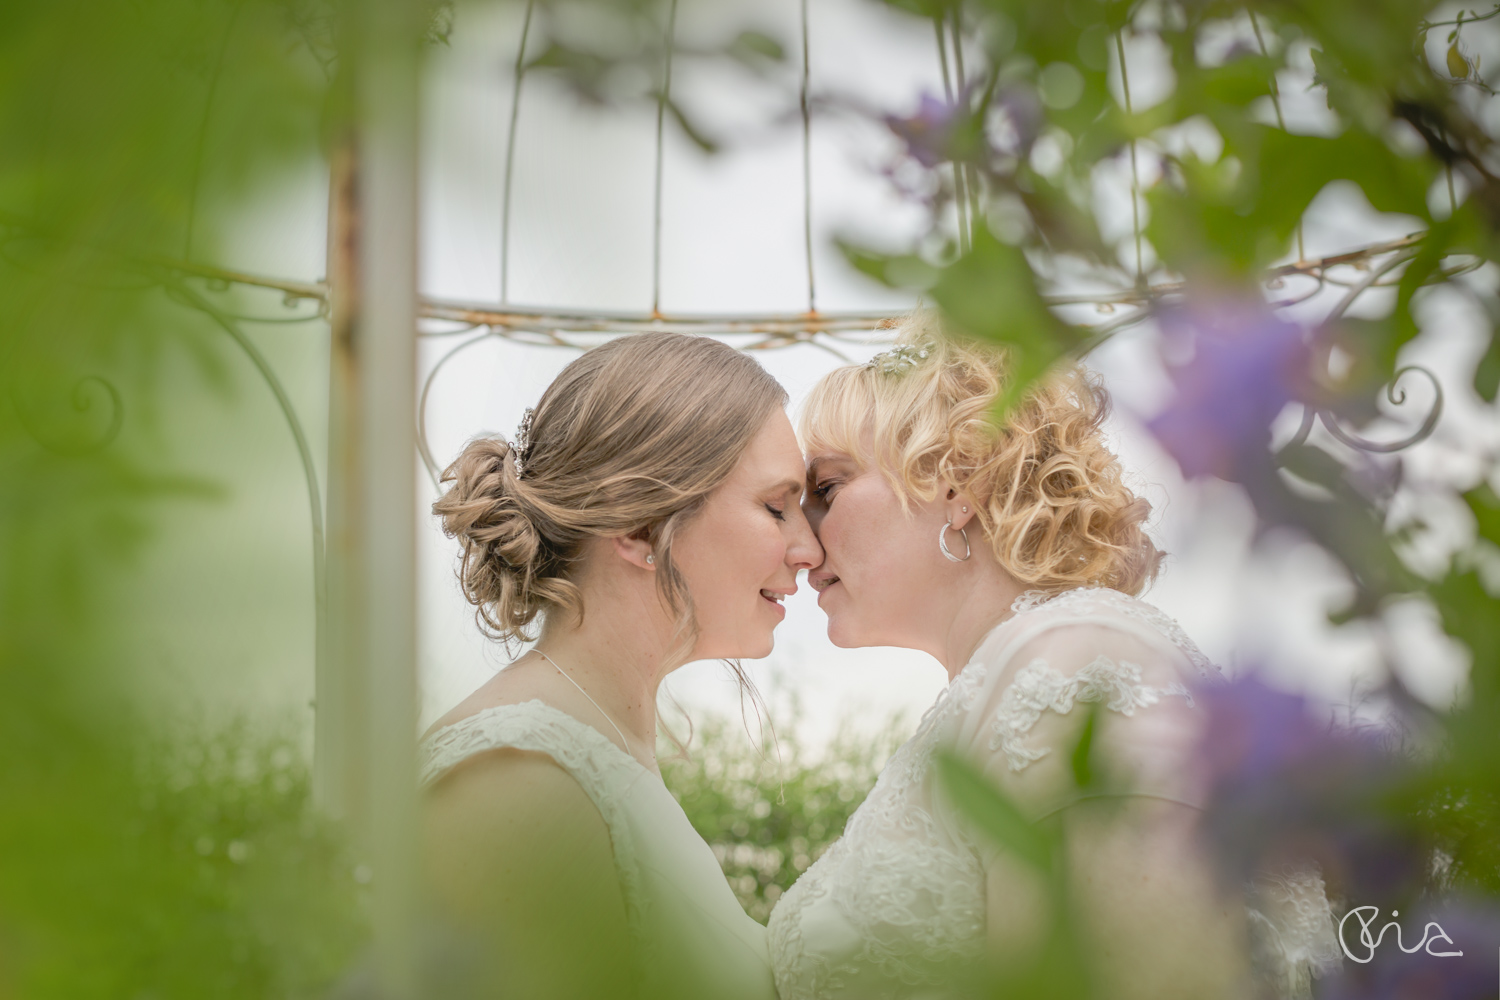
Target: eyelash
<point>780,515</point>
<point>821,490</point>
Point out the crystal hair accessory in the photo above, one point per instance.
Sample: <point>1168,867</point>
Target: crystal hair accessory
<point>521,449</point>
<point>899,360</point>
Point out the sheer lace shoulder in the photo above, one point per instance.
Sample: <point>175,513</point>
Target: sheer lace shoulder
<point>1085,646</point>
<point>1038,687</point>
<point>1106,602</point>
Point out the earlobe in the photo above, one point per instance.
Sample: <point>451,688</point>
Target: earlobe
<point>959,508</point>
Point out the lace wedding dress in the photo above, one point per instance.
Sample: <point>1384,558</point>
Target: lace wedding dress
<point>693,939</point>
<point>899,900</point>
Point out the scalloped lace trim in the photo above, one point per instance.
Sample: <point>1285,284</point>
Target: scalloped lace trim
<point>1038,688</point>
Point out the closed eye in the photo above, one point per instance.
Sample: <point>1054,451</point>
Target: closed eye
<point>776,512</point>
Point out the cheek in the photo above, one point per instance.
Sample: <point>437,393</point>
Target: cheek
<point>743,558</point>
<point>862,544</point>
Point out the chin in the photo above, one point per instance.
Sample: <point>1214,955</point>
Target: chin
<point>844,636</point>
<point>757,649</point>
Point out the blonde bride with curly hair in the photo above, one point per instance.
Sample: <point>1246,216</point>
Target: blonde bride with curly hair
<point>1014,554</point>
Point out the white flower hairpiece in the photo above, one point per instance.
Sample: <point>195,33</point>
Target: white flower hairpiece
<point>899,360</point>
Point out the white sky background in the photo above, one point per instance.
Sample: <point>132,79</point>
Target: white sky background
<point>732,242</point>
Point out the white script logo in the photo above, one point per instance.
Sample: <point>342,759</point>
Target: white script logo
<point>1371,943</point>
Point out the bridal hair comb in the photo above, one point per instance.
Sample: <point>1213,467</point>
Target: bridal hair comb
<point>899,360</point>
<point>522,447</point>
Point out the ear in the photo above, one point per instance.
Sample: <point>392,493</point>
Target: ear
<point>958,507</point>
<point>636,550</point>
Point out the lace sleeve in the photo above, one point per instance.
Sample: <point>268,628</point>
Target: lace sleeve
<point>1026,696</point>
<point>1030,696</point>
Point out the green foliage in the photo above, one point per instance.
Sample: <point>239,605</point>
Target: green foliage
<point>999,818</point>
<point>133,863</point>
<point>770,811</point>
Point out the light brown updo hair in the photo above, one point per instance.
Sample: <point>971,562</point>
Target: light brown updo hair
<point>1051,498</point>
<point>630,439</point>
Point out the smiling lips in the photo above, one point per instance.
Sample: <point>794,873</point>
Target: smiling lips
<point>776,597</point>
<point>821,580</point>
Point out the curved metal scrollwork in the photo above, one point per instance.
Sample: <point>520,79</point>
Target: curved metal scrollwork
<point>82,400</point>
<point>423,447</point>
<point>180,291</point>
<point>1397,397</point>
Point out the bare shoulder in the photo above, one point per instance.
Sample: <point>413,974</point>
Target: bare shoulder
<point>517,683</point>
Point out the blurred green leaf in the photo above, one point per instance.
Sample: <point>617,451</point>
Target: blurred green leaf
<point>1483,501</point>
<point>691,129</point>
<point>755,47</point>
<point>995,815</point>
<point>1084,775</point>
<point>1487,372</point>
<point>990,294</point>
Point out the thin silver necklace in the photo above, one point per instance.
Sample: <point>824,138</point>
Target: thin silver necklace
<point>581,691</point>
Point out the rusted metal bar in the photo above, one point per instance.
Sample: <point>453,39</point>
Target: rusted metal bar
<point>502,318</point>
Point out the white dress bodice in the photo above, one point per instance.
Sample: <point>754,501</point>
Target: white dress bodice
<point>692,937</point>
<point>899,900</point>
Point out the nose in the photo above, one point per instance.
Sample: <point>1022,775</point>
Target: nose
<point>803,550</point>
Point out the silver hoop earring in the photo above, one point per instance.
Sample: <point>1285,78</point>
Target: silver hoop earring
<point>943,543</point>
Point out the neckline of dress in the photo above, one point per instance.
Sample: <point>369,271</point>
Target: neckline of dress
<point>572,721</point>
<point>1031,600</point>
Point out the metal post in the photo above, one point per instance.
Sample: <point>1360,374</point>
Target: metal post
<point>338,777</point>
<point>388,106</point>
<point>367,690</point>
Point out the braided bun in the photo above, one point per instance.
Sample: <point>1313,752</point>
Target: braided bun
<point>632,436</point>
<point>504,566</point>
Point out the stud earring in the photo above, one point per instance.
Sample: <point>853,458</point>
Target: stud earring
<point>650,560</point>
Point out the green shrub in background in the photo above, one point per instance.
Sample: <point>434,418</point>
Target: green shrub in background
<point>272,900</point>
<point>770,807</point>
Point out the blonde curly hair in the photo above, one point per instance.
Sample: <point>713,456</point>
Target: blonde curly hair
<point>1051,498</point>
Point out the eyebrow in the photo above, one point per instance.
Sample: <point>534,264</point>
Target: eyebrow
<point>815,464</point>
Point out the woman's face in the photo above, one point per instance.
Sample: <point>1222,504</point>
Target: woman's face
<point>741,554</point>
<point>883,580</point>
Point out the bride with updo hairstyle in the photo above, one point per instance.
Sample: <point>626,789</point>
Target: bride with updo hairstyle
<point>646,515</point>
<point>1012,550</point>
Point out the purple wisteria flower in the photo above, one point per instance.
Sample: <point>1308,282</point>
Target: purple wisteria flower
<point>929,133</point>
<point>1246,366</point>
<point>1286,788</point>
